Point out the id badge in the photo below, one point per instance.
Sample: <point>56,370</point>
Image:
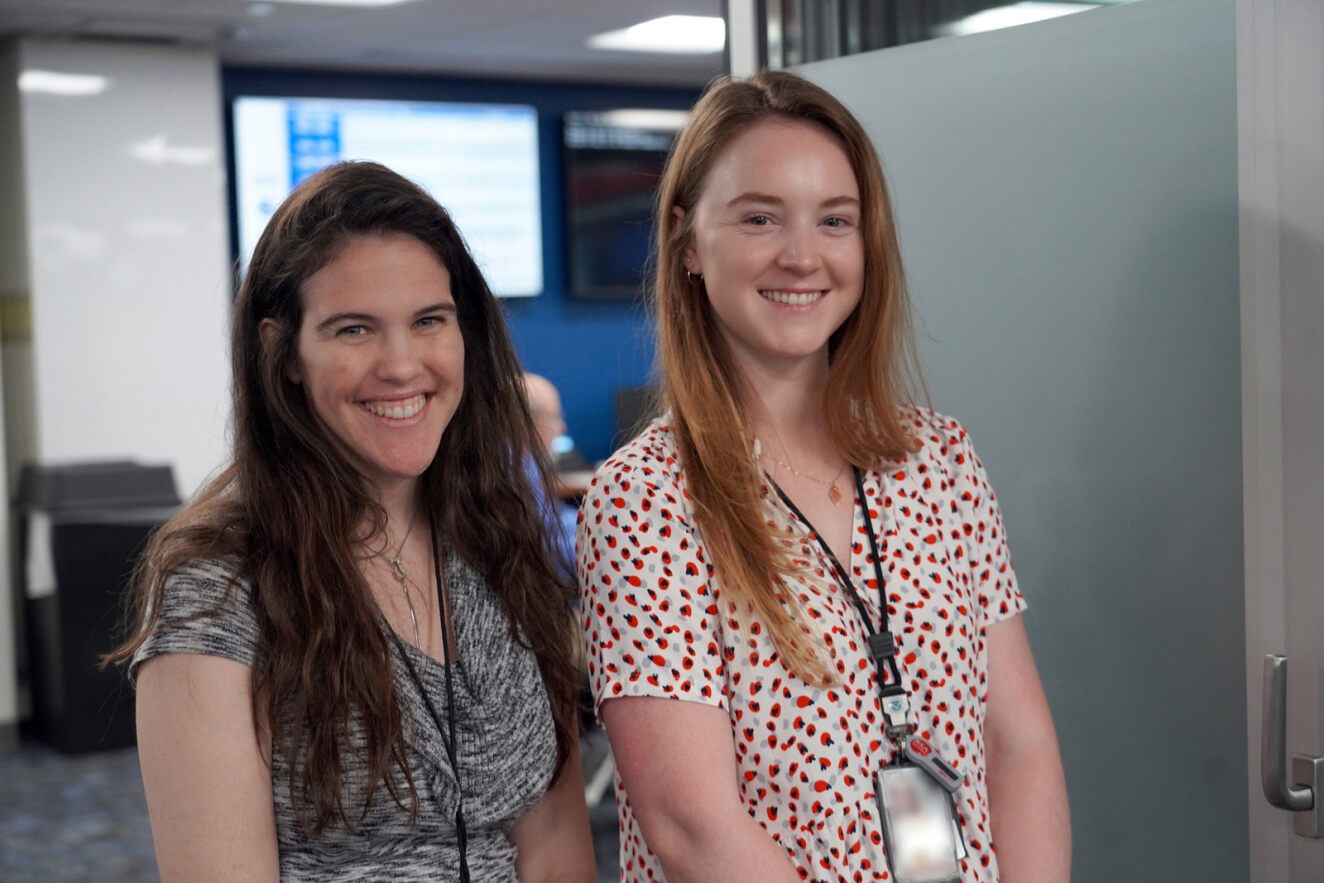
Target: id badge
<point>920,831</point>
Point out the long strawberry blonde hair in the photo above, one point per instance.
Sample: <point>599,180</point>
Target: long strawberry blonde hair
<point>873,373</point>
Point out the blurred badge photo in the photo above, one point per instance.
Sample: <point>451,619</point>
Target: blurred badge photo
<point>923,842</point>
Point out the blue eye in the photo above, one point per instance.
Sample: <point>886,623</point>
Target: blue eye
<point>434,321</point>
<point>352,330</point>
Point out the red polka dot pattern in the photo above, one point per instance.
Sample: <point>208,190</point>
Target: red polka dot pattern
<point>656,624</point>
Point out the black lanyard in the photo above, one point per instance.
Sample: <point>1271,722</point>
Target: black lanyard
<point>447,734</point>
<point>882,644</point>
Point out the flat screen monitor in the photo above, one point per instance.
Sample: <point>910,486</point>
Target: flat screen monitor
<point>478,160</point>
<point>613,161</point>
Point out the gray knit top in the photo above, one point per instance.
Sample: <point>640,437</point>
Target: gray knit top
<point>506,742</point>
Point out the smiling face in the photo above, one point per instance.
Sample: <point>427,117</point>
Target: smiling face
<point>380,355</point>
<point>776,236</point>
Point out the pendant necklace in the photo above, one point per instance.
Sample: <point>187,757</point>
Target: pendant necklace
<point>397,562</point>
<point>448,734</point>
<point>834,491</point>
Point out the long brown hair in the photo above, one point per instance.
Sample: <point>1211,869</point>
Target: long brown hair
<point>290,509</point>
<point>872,373</point>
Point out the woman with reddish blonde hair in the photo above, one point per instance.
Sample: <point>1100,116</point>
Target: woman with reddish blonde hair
<point>810,562</point>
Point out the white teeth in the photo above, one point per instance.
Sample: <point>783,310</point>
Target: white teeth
<point>793,298</point>
<point>397,410</point>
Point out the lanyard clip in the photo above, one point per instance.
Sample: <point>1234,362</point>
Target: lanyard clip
<point>896,710</point>
<point>896,703</point>
<point>883,647</point>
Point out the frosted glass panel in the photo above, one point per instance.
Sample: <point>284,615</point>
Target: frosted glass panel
<point>1067,200</point>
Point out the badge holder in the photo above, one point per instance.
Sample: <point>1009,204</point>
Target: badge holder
<point>914,791</point>
<point>920,831</point>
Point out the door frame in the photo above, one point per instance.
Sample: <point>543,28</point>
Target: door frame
<point>1280,91</point>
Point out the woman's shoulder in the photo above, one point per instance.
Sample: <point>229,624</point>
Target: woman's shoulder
<point>930,425</point>
<point>944,448</point>
<point>654,444</point>
<point>938,436</point>
<point>205,607</point>
<point>207,581</point>
<point>642,484</point>
<point>651,457</point>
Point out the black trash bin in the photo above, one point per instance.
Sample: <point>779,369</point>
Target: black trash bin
<point>81,529</point>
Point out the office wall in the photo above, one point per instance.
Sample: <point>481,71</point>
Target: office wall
<point>1067,199</point>
<point>127,279</point>
<point>13,294</point>
<point>114,280</point>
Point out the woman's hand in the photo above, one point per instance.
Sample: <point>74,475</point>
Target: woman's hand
<point>677,762</point>
<point>206,771</point>
<point>1027,791</point>
<point>553,837</point>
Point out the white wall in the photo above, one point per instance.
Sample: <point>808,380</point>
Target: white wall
<point>114,273</point>
<point>1067,201</point>
<point>13,334</point>
<point>128,255</point>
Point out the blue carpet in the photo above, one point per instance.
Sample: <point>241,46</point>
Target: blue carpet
<point>84,817</point>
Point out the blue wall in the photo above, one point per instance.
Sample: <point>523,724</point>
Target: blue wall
<point>587,348</point>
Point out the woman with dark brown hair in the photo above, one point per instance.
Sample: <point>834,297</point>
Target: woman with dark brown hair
<point>353,652</point>
<point>813,563</point>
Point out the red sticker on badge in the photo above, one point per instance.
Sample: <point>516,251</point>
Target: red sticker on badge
<point>920,747</point>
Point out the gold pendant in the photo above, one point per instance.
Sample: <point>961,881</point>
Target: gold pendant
<point>834,494</point>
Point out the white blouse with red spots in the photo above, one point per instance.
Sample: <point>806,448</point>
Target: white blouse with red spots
<point>656,625</point>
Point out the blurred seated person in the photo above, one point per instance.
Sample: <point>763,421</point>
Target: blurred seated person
<point>545,409</point>
<point>544,404</point>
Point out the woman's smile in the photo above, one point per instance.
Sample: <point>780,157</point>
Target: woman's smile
<point>793,298</point>
<point>776,238</point>
<point>398,410</point>
<point>381,357</point>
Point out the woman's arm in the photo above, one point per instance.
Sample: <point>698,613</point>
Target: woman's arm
<point>206,772</point>
<point>1027,791</point>
<point>553,837</point>
<point>676,760</point>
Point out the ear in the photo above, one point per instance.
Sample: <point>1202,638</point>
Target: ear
<point>688,256</point>
<point>269,331</point>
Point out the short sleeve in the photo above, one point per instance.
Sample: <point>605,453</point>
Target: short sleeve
<point>993,579</point>
<point>651,612</point>
<point>203,610</point>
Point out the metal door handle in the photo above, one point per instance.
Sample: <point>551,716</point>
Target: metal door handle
<point>1273,741</point>
<point>1304,797</point>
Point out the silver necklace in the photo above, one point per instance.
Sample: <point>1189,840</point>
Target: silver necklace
<point>397,562</point>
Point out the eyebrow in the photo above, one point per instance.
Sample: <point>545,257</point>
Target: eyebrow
<point>351,316</point>
<point>776,200</point>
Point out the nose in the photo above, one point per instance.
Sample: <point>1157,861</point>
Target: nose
<point>799,251</point>
<point>398,357</point>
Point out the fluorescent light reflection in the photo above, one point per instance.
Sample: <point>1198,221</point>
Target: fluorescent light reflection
<point>367,3</point>
<point>158,151</point>
<point>674,34</point>
<point>56,83</point>
<point>651,119</point>
<point>1014,14</point>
